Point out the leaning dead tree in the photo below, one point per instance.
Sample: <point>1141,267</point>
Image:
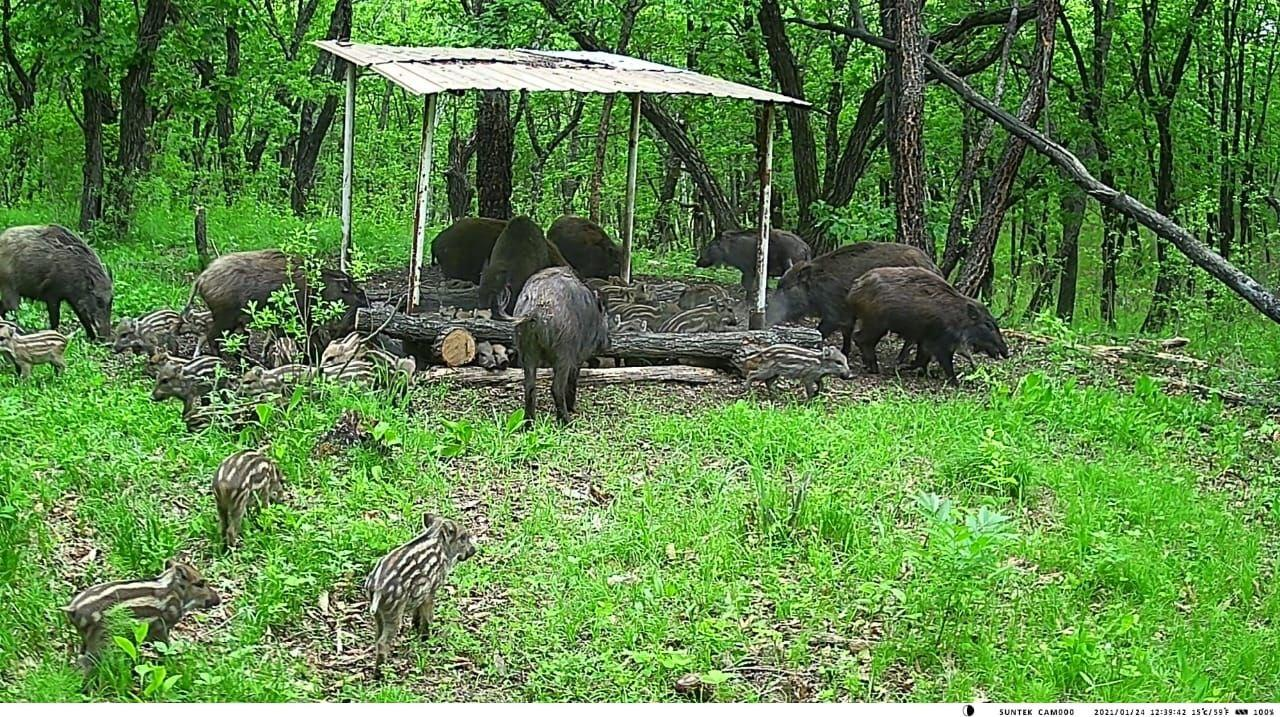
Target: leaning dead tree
<point>1073,169</point>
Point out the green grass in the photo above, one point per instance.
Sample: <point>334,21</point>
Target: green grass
<point>1046,534</point>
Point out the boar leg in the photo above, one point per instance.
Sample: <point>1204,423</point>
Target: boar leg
<point>868,338</point>
<point>55,315</point>
<point>91,645</point>
<point>905,353</point>
<point>946,360</point>
<point>425,614</point>
<point>158,632</point>
<point>219,327</point>
<point>24,369</point>
<point>923,357</point>
<point>561,375</point>
<point>388,625</point>
<point>59,364</point>
<point>572,398</point>
<point>530,384</point>
<point>8,303</point>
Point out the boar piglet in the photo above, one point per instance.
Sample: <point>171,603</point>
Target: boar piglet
<point>406,579</point>
<point>27,350</point>
<point>807,366</point>
<point>244,480</point>
<point>161,601</point>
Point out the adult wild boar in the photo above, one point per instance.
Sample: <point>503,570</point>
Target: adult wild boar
<point>819,287</point>
<point>560,323</point>
<point>586,247</point>
<point>923,308</point>
<point>520,252</point>
<point>234,281</point>
<point>464,247</point>
<point>738,250</point>
<point>53,265</point>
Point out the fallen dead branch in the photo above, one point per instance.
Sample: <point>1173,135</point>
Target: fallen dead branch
<point>1117,353</point>
<point>1130,354</point>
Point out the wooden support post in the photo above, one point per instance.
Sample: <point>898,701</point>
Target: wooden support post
<point>422,208</point>
<point>348,165</point>
<point>629,213</point>
<point>766,199</point>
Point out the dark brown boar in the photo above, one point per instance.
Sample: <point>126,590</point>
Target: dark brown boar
<point>463,248</point>
<point>586,247</point>
<point>234,281</point>
<point>53,265</point>
<point>520,252</point>
<point>820,287</point>
<point>738,250</point>
<point>922,308</point>
<point>559,323</point>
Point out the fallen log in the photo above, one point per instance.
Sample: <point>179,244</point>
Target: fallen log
<point>475,376</point>
<point>436,296</point>
<point>705,348</point>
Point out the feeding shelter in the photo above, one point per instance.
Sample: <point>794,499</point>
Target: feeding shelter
<point>428,71</point>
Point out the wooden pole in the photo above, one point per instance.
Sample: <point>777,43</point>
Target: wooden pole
<point>766,199</point>
<point>423,206</point>
<point>348,165</point>
<point>629,215</point>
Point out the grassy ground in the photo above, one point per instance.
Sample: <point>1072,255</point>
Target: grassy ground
<point>1049,532</point>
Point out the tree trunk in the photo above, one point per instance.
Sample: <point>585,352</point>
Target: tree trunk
<point>97,110</point>
<point>956,248</point>
<point>136,112</point>
<point>1160,99</point>
<point>804,159</point>
<point>457,183</point>
<point>1068,258</point>
<point>713,348</point>
<point>313,121</point>
<point>596,186</point>
<point>228,151</point>
<point>595,189</point>
<point>494,154</point>
<point>664,231</point>
<point>22,89</point>
<point>904,126</point>
<point>983,244</point>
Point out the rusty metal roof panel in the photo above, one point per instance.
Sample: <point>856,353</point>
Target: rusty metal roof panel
<point>428,70</point>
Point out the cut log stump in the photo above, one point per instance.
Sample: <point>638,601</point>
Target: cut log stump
<point>455,347</point>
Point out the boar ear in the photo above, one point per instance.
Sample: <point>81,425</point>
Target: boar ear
<point>431,521</point>
<point>973,312</point>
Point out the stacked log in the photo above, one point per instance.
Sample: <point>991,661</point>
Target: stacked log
<point>703,349</point>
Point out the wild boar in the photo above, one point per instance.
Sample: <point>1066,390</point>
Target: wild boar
<point>53,265</point>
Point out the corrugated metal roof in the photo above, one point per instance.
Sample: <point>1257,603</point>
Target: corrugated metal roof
<point>428,70</point>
